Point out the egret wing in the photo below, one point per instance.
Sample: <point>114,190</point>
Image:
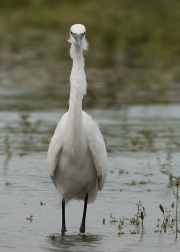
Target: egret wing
<point>55,147</point>
<point>97,148</point>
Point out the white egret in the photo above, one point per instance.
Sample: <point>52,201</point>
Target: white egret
<point>77,158</point>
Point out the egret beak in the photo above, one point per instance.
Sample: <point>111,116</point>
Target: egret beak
<point>78,38</point>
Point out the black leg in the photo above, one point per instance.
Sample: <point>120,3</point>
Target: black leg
<point>82,227</point>
<point>63,230</point>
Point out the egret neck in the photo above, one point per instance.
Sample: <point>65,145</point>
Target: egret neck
<point>78,89</point>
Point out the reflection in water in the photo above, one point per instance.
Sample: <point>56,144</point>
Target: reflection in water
<point>79,242</point>
<point>6,162</point>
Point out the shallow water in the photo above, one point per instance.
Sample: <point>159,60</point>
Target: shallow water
<point>135,137</point>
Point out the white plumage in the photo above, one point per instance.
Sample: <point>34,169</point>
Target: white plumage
<point>77,157</point>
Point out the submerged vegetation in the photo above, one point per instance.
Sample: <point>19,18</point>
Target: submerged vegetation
<point>166,168</point>
<point>176,194</point>
<point>30,218</point>
<point>168,223</point>
<point>136,221</point>
<point>24,136</point>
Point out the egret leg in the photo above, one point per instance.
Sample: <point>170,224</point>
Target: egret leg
<point>82,227</point>
<point>63,230</point>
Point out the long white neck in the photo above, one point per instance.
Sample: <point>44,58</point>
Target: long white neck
<point>78,86</point>
<point>78,77</point>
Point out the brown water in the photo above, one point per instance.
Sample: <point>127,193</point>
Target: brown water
<point>135,137</point>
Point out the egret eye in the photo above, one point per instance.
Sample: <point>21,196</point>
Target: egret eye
<point>84,33</point>
<point>71,33</point>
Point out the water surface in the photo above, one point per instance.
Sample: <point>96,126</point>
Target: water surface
<point>135,137</point>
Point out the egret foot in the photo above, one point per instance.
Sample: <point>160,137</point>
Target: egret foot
<point>63,229</point>
<point>82,227</point>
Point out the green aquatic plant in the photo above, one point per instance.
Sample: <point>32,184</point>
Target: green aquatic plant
<point>162,210</point>
<point>149,137</point>
<point>27,129</point>
<point>176,194</point>
<point>133,182</point>
<point>53,237</point>
<point>137,220</point>
<point>143,140</point>
<point>8,184</point>
<point>167,222</point>
<point>166,168</point>
<point>26,126</point>
<point>166,219</point>
<point>30,218</point>
<point>24,130</point>
<point>134,231</point>
<point>7,146</point>
<point>121,225</point>
<point>113,219</point>
<point>172,141</point>
<point>7,151</point>
<point>142,219</point>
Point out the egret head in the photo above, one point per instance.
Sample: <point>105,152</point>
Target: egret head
<point>77,34</point>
